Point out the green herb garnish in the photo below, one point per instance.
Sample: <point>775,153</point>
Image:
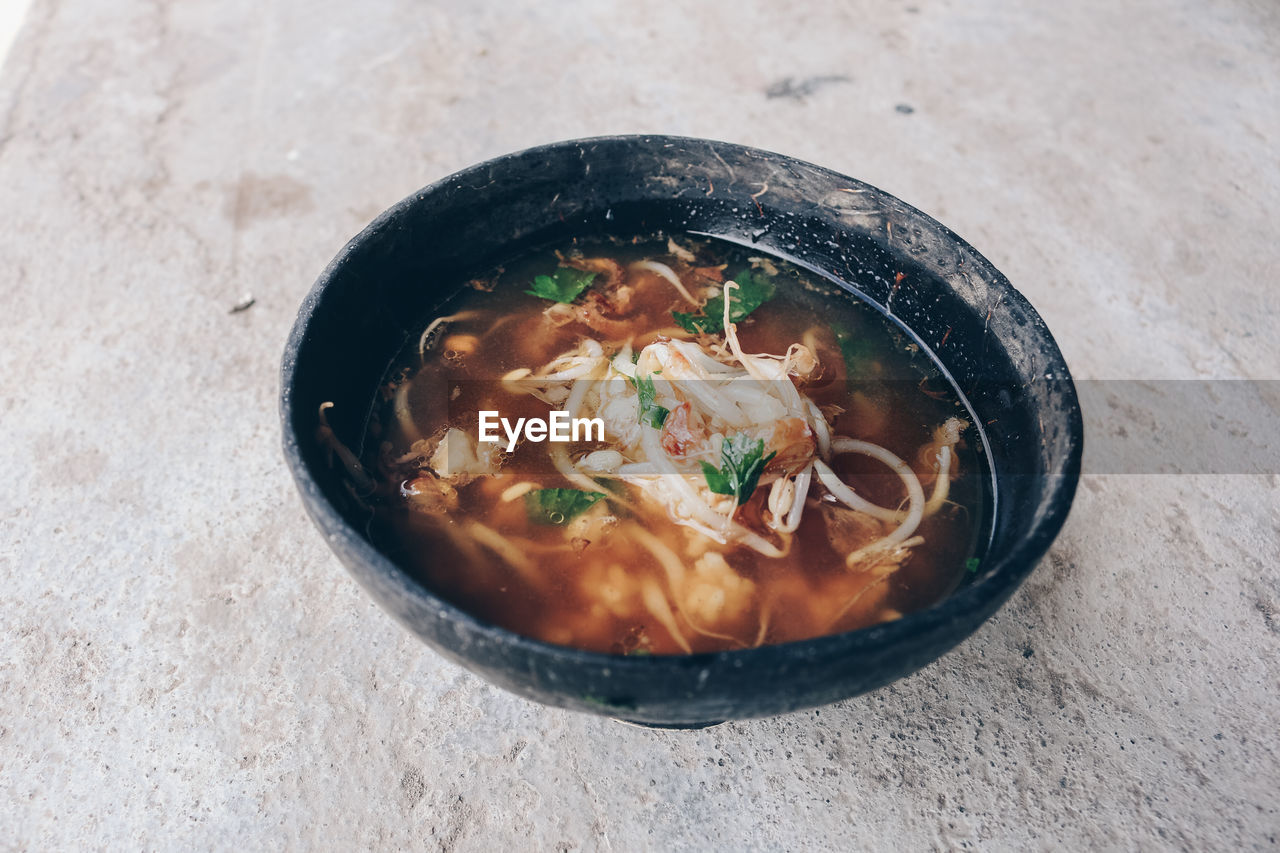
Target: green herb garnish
<point>742,461</point>
<point>650,412</point>
<point>754,289</point>
<point>971,564</point>
<point>563,285</point>
<point>859,353</point>
<point>558,506</point>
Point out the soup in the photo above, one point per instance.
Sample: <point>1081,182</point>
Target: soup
<point>670,446</point>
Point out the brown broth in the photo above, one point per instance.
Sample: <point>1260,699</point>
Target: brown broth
<point>590,596</point>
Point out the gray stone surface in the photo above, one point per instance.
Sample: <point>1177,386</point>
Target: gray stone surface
<point>183,662</point>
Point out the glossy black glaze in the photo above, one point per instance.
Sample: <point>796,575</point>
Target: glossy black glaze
<point>383,284</point>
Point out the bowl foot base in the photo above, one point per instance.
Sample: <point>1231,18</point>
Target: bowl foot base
<point>675,726</point>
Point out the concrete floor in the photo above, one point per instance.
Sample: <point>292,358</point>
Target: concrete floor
<point>185,665</point>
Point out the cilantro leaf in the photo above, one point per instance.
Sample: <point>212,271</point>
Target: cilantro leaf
<point>650,412</point>
<point>563,285</point>
<point>754,289</point>
<point>558,506</point>
<point>859,353</point>
<point>742,461</point>
<point>971,564</point>
<point>716,481</point>
<point>692,324</point>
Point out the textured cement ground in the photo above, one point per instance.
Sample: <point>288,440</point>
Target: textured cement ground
<point>184,664</point>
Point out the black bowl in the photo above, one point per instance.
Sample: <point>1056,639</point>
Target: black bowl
<point>384,283</point>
